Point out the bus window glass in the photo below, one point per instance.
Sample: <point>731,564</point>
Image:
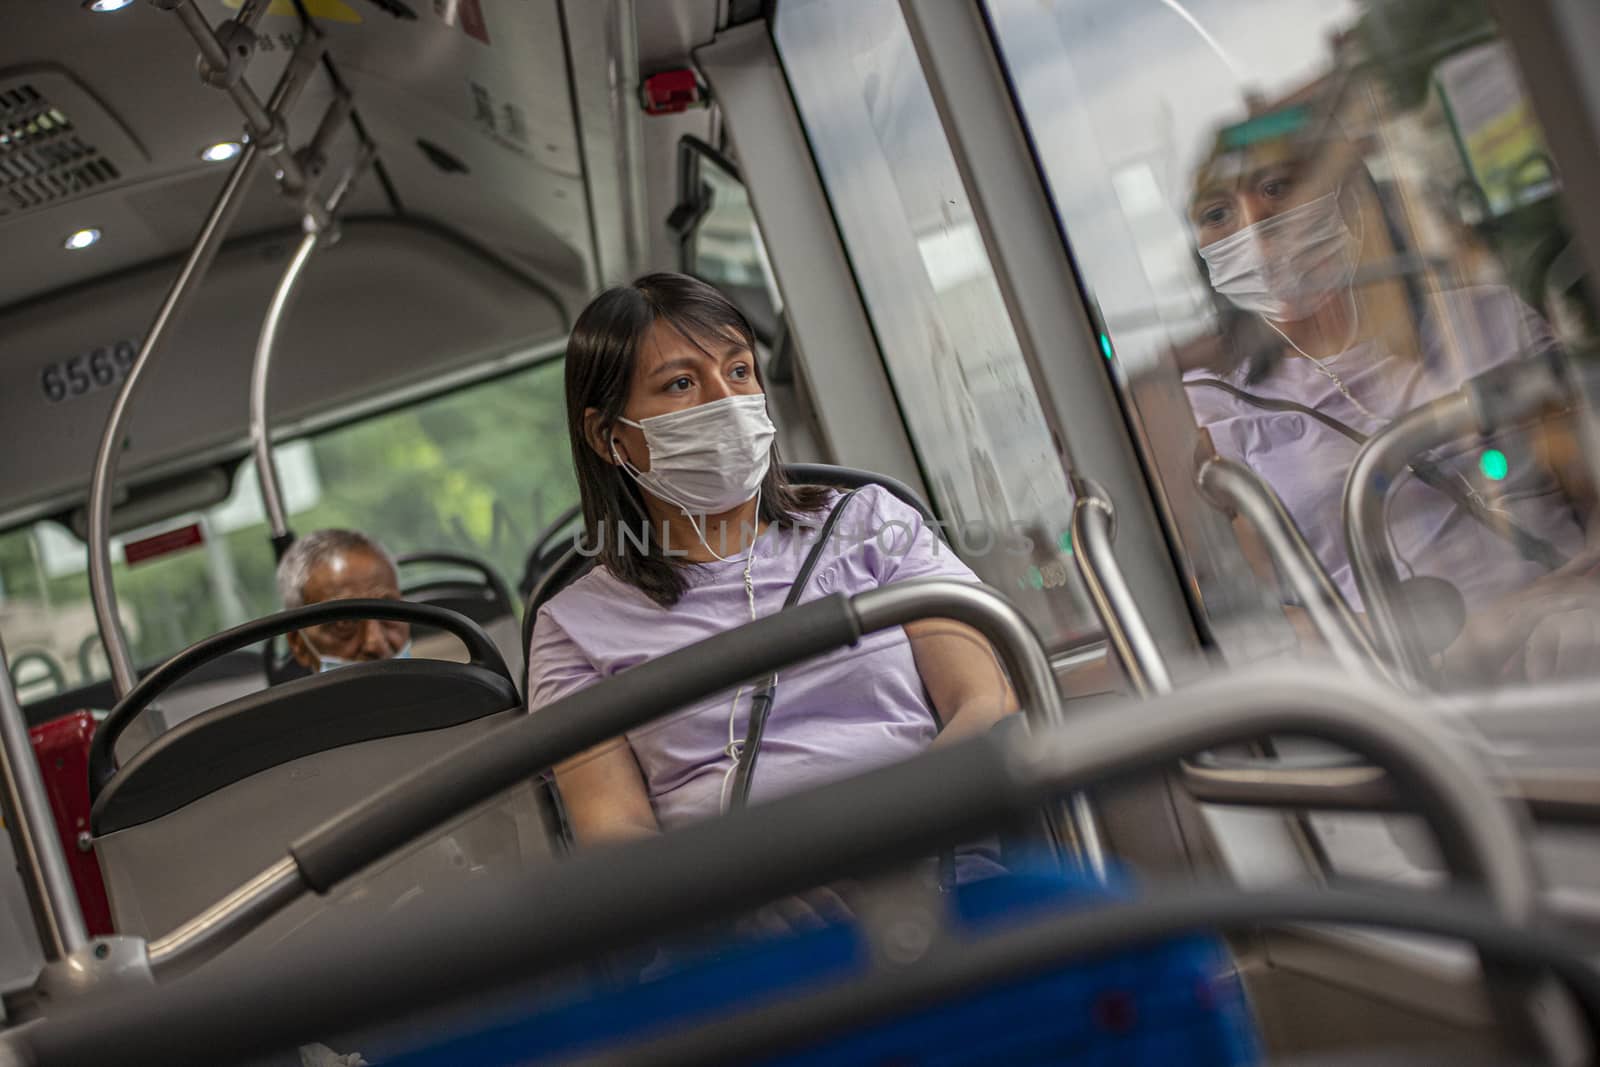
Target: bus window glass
<point>725,247</point>
<point>1308,219</point>
<point>957,370</point>
<point>479,471</point>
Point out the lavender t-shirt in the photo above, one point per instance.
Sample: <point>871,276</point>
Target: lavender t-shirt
<point>840,714</point>
<point>1465,333</point>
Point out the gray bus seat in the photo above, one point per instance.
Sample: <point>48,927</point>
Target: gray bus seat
<point>485,598</point>
<point>211,802</point>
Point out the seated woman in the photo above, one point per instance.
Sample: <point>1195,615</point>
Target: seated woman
<point>696,531</point>
<point>1324,345</point>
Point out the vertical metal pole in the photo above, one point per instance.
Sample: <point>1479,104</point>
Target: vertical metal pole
<point>40,858</point>
<point>260,375</point>
<point>111,443</point>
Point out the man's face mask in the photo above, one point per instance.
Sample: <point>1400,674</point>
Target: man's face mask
<point>709,459</point>
<point>1284,268</point>
<point>326,663</point>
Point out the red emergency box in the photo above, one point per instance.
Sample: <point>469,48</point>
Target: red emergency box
<point>62,747</point>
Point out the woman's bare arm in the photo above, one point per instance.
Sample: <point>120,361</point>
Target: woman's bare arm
<point>605,796</point>
<point>963,678</point>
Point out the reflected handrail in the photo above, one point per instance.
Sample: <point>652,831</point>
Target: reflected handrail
<point>1237,490</point>
<point>1509,395</point>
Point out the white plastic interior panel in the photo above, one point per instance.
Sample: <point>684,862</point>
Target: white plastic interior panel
<point>393,303</point>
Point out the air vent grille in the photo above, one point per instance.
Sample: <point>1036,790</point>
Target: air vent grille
<point>43,158</point>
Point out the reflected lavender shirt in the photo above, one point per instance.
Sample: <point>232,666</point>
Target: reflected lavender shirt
<point>841,714</point>
<point>1466,333</point>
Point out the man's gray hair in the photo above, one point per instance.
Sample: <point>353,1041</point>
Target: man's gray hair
<point>310,551</point>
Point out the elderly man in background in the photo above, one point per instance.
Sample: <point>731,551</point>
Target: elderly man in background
<point>341,565</point>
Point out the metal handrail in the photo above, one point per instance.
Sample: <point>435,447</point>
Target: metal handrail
<point>101,589</point>
<point>40,858</point>
<point>1479,838</point>
<point>1536,719</point>
<point>482,768</point>
<point>1093,537</point>
<point>1237,490</point>
<point>260,373</point>
<point>479,937</point>
<point>319,231</point>
<point>267,135</point>
<point>1503,397</point>
<point>263,122</point>
<point>1025,662</point>
<point>1380,461</point>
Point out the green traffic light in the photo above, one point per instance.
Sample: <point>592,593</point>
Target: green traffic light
<point>1105,344</point>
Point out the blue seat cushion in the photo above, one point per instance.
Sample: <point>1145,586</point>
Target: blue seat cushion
<point>1176,1002</point>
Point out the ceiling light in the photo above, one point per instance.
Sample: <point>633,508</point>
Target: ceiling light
<point>81,240</point>
<point>221,152</point>
<point>101,7</point>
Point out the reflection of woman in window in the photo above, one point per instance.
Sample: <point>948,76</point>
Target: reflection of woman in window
<point>1329,338</point>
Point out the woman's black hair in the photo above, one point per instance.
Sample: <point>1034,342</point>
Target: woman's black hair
<point>601,356</point>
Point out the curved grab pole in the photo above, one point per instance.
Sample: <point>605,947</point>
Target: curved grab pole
<point>319,230</point>
<point>267,133</point>
<point>1093,537</point>
<point>101,589</point>
<point>1501,398</point>
<point>260,373</point>
<point>1024,659</point>
<point>1237,490</point>
<point>483,768</point>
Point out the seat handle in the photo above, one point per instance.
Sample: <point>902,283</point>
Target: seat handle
<point>102,761</point>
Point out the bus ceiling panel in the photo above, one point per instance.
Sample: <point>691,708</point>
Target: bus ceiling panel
<point>393,304</point>
<point>498,73</point>
<point>487,91</point>
<point>138,223</point>
<point>526,201</point>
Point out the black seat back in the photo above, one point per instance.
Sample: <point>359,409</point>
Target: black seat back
<point>210,803</point>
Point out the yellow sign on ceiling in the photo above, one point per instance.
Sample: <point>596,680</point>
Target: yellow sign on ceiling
<point>332,10</point>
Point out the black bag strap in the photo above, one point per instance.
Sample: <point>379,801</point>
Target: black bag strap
<point>1530,545</point>
<point>761,702</point>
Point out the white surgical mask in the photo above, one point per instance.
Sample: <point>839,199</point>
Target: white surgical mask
<point>332,663</point>
<point>1286,267</point>
<point>709,459</point>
